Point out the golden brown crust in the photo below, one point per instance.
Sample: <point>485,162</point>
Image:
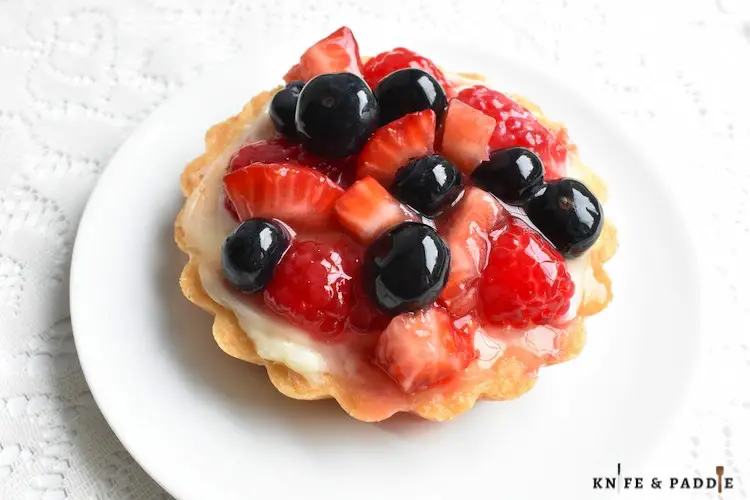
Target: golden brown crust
<point>511,377</point>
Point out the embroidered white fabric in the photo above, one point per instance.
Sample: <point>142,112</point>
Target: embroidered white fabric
<point>77,76</point>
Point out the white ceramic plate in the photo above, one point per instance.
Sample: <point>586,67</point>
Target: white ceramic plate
<point>207,426</point>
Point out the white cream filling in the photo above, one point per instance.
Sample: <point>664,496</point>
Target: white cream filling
<point>207,224</point>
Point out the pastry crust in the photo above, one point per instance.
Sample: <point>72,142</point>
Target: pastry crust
<point>511,377</point>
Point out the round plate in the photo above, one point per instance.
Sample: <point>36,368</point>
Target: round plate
<point>205,425</point>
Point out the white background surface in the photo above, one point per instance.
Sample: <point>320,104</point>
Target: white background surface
<point>77,77</point>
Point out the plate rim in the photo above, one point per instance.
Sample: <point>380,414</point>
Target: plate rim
<point>584,96</point>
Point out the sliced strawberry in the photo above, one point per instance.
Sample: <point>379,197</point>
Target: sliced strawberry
<point>336,53</point>
<point>391,146</point>
<point>281,150</point>
<point>367,209</point>
<point>299,196</point>
<point>276,150</point>
<point>386,63</point>
<point>466,230</point>
<point>466,136</point>
<point>421,349</point>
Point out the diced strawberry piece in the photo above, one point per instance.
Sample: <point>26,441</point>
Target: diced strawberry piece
<point>385,63</point>
<point>466,230</point>
<point>517,126</point>
<point>312,287</point>
<point>392,145</point>
<point>367,209</point>
<point>526,281</point>
<point>336,53</point>
<point>466,136</point>
<point>422,349</point>
<point>299,196</point>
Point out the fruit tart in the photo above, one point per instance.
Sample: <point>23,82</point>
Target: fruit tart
<point>396,237</point>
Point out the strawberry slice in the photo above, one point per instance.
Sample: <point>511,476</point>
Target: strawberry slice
<point>421,349</point>
<point>367,209</point>
<point>336,53</point>
<point>466,136</point>
<point>276,150</point>
<point>281,150</point>
<point>294,194</point>
<point>466,230</point>
<point>391,146</point>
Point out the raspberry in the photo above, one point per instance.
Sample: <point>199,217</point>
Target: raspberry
<point>364,316</point>
<point>517,126</point>
<point>526,282</point>
<point>312,287</point>
<point>386,63</point>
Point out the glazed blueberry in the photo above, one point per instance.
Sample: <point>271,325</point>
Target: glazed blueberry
<point>283,106</point>
<point>408,90</point>
<point>568,214</point>
<point>336,114</point>
<point>514,175</point>
<point>251,253</point>
<point>406,268</point>
<point>429,184</point>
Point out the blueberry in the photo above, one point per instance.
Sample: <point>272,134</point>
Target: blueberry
<point>428,184</point>
<point>514,175</point>
<point>568,214</point>
<point>283,106</point>
<point>407,91</point>
<point>251,253</point>
<point>336,114</point>
<point>406,268</point>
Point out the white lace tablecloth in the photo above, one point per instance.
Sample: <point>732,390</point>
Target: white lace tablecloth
<point>77,76</point>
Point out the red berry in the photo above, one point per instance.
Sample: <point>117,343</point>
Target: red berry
<point>312,287</point>
<point>422,349</point>
<point>526,282</point>
<point>299,196</point>
<point>517,126</point>
<point>466,230</point>
<point>281,150</point>
<point>366,209</point>
<point>364,316</point>
<point>391,146</point>
<point>466,136</point>
<point>277,150</point>
<point>386,63</point>
<point>336,53</point>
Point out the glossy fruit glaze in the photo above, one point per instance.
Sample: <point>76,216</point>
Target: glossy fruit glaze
<point>350,357</point>
<point>320,294</point>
